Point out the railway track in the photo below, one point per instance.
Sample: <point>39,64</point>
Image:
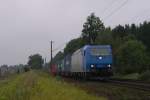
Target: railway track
<point>136,84</point>
<point>114,89</point>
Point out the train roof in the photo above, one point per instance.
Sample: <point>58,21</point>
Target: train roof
<point>100,46</point>
<point>89,46</point>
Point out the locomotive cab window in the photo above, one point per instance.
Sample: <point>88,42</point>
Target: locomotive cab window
<point>100,51</point>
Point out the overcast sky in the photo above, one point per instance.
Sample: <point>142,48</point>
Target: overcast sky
<point>27,26</point>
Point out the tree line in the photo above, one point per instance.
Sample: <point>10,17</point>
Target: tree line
<point>35,61</point>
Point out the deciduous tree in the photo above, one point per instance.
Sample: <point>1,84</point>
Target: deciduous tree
<point>91,28</point>
<point>35,61</point>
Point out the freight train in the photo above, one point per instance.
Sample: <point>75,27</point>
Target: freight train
<point>89,61</point>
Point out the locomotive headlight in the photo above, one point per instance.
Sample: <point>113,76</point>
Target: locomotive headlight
<point>109,65</point>
<point>92,66</point>
<point>100,58</point>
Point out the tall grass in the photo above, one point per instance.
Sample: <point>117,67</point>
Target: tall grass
<point>35,85</point>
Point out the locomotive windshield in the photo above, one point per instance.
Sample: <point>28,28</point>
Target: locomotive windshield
<point>100,51</point>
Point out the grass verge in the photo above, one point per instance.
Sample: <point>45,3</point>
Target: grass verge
<point>35,85</point>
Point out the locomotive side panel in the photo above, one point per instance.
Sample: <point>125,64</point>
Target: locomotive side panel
<point>77,61</point>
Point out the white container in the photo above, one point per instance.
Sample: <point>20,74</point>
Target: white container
<point>77,61</point>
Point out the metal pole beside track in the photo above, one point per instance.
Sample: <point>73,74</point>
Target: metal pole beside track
<point>51,55</point>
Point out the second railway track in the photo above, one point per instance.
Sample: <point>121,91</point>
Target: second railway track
<point>131,84</point>
<point>134,84</point>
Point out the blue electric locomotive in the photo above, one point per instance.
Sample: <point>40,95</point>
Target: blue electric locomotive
<point>92,60</point>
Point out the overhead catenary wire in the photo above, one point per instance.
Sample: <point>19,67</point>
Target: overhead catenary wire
<point>143,13</point>
<point>60,47</point>
<point>108,6</point>
<point>117,9</point>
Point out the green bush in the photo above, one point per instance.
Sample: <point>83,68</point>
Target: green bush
<point>26,69</point>
<point>145,75</point>
<point>132,57</point>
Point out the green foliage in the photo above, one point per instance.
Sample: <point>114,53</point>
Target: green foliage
<point>123,31</point>
<point>141,32</point>
<point>35,61</point>
<point>91,28</point>
<point>121,36</point>
<point>131,57</point>
<point>144,33</point>
<point>58,57</point>
<point>26,69</point>
<point>73,45</point>
<point>119,32</point>
<point>145,75</point>
<point>105,37</point>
